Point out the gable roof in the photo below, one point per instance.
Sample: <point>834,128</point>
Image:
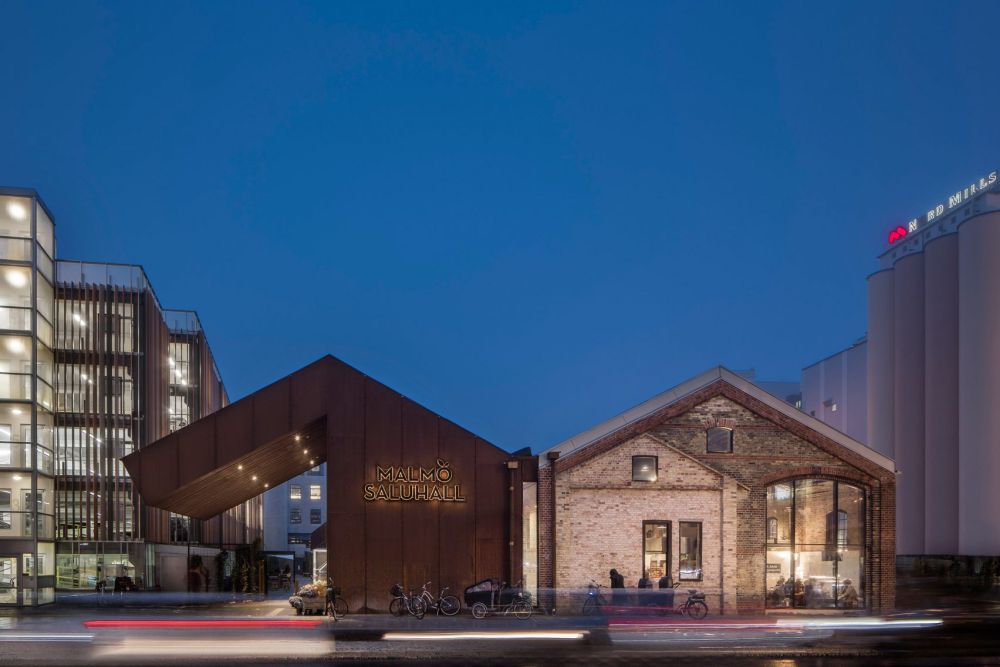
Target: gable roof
<point>661,402</point>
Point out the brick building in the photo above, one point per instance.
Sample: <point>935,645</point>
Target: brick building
<point>725,488</point>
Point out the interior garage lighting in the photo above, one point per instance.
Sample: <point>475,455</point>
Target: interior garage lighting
<point>17,211</point>
<point>16,278</point>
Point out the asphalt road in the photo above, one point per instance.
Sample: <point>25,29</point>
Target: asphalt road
<point>268,633</point>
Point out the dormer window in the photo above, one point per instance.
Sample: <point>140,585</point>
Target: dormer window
<point>644,468</point>
<point>719,440</point>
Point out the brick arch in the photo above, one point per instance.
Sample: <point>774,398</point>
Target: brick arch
<point>818,472</point>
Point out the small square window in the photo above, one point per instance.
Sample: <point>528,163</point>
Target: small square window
<point>295,491</point>
<point>294,516</point>
<point>719,440</point>
<point>644,468</point>
<point>315,492</point>
<point>315,516</point>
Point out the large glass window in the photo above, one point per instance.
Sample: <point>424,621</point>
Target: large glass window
<point>656,549</point>
<point>689,535</point>
<point>815,545</point>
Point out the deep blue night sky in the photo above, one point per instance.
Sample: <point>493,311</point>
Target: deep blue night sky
<point>526,216</point>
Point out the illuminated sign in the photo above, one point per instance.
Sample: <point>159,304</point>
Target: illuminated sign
<point>405,483</point>
<point>957,199</point>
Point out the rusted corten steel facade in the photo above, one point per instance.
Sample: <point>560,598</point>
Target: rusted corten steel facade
<point>330,412</point>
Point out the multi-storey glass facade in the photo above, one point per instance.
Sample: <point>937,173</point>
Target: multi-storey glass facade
<point>27,487</point>
<point>91,368</point>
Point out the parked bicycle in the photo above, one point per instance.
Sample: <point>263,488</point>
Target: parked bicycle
<point>336,605</point>
<point>406,603</point>
<point>595,601</point>
<point>694,606</point>
<point>448,605</point>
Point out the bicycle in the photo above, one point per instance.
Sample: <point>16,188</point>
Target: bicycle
<point>595,601</point>
<point>519,605</point>
<point>336,605</point>
<point>694,606</point>
<point>406,603</point>
<point>444,604</point>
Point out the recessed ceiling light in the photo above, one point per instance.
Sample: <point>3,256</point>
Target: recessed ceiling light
<point>312,462</point>
<point>239,467</point>
<point>15,345</point>
<point>266,485</point>
<point>254,478</point>
<point>16,478</point>
<point>15,411</point>
<point>297,438</point>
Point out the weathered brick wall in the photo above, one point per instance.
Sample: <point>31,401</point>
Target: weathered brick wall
<point>599,509</point>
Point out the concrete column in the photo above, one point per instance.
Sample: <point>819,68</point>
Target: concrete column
<point>908,422</point>
<point>881,361</point>
<point>979,386</point>
<point>941,395</point>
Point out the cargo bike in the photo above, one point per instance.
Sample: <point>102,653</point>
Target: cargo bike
<point>489,597</point>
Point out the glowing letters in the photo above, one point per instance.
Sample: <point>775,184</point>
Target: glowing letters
<point>406,483</point>
<point>957,199</point>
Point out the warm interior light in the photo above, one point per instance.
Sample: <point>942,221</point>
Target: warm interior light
<point>254,478</point>
<point>170,360</point>
<point>83,375</point>
<point>239,467</point>
<point>297,438</point>
<point>305,451</point>
<point>15,345</point>
<point>15,411</point>
<point>16,278</point>
<point>17,211</point>
<point>312,462</point>
<point>16,478</point>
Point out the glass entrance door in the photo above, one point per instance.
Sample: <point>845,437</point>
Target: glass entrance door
<point>8,580</point>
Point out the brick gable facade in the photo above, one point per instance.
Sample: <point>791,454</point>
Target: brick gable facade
<point>591,512</point>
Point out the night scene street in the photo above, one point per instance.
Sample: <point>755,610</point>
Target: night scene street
<point>499,333</point>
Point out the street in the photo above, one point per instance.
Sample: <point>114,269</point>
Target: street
<point>268,632</point>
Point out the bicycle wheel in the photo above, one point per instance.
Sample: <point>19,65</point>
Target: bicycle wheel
<point>522,610</point>
<point>339,607</point>
<point>449,605</point>
<point>590,607</point>
<point>479,610</point>
<point>697,610</point>
<point>417,607</point>
<point>397,607</point>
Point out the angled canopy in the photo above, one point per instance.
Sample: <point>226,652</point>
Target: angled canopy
<point>238,452</point>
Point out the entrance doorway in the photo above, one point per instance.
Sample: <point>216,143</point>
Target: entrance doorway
<point>8,580</point>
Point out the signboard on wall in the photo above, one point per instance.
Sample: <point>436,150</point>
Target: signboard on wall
<point>412,483</point>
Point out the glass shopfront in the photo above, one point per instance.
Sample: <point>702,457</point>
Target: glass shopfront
<point>815,535</point>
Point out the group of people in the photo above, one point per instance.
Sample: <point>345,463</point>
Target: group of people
<point>812,593</point>
<point>618,581</point>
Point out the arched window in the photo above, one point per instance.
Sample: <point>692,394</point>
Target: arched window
<point>719,440</point>
<point>815,544</point>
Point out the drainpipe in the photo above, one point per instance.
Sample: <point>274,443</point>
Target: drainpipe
<point>722,551</point>
<point>552,456</point>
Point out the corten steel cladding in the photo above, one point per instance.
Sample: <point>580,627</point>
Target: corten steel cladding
<point>330,412</point>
